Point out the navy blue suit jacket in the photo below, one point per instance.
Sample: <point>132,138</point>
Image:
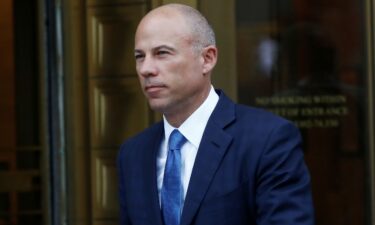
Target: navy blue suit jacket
<point>249,170</point>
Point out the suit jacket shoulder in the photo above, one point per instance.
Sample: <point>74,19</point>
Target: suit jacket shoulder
<point>137,178</point>
<point>256,169</point>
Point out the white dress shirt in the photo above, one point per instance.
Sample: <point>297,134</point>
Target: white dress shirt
<point>192,129</point>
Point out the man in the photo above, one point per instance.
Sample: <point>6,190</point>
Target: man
<point>210,161</point>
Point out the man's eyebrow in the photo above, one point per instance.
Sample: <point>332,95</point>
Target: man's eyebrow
<point>164,47</point>
<point>138,51</point>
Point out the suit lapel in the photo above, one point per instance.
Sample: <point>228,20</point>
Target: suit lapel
<point>214,144</point>
<point>149,182</point>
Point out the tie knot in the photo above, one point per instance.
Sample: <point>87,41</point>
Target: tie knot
<point>176,140</point>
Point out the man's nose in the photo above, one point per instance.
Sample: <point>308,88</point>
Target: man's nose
<point>147,67</point>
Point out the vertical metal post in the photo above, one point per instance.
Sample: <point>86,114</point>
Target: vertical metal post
<point>55,109</point>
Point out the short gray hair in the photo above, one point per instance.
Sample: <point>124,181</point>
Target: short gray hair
<point>203,34</point>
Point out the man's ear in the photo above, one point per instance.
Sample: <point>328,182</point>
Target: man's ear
<point>209,55</point>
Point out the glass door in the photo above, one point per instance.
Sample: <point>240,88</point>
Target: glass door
<point>23,174</point>
<point>310,62</point>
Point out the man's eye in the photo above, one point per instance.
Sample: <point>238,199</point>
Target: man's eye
<point>139,56</point>
<point>162,52</point>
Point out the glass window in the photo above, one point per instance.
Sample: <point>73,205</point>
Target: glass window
<point>306,61</point>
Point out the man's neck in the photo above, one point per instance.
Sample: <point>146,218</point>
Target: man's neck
<point>179,116</point>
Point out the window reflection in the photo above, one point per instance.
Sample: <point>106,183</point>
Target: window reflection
<point>305,61</point>
<point>267,52</point>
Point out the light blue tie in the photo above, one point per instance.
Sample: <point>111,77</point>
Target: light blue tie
<point>171,192</point>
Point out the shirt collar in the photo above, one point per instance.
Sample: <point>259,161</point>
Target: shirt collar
<point>193,127</point>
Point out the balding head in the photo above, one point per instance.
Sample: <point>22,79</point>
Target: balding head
<point>202,34</point>
<point>175,54</point>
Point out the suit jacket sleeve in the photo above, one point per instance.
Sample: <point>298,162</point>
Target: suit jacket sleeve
<point>283,184</point>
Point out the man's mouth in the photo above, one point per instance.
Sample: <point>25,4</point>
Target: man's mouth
<point>154,88</point>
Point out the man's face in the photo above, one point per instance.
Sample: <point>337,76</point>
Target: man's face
<point>170,70</point>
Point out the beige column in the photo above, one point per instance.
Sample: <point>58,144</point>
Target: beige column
<point>221,15</point>
<point>192,3</point>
